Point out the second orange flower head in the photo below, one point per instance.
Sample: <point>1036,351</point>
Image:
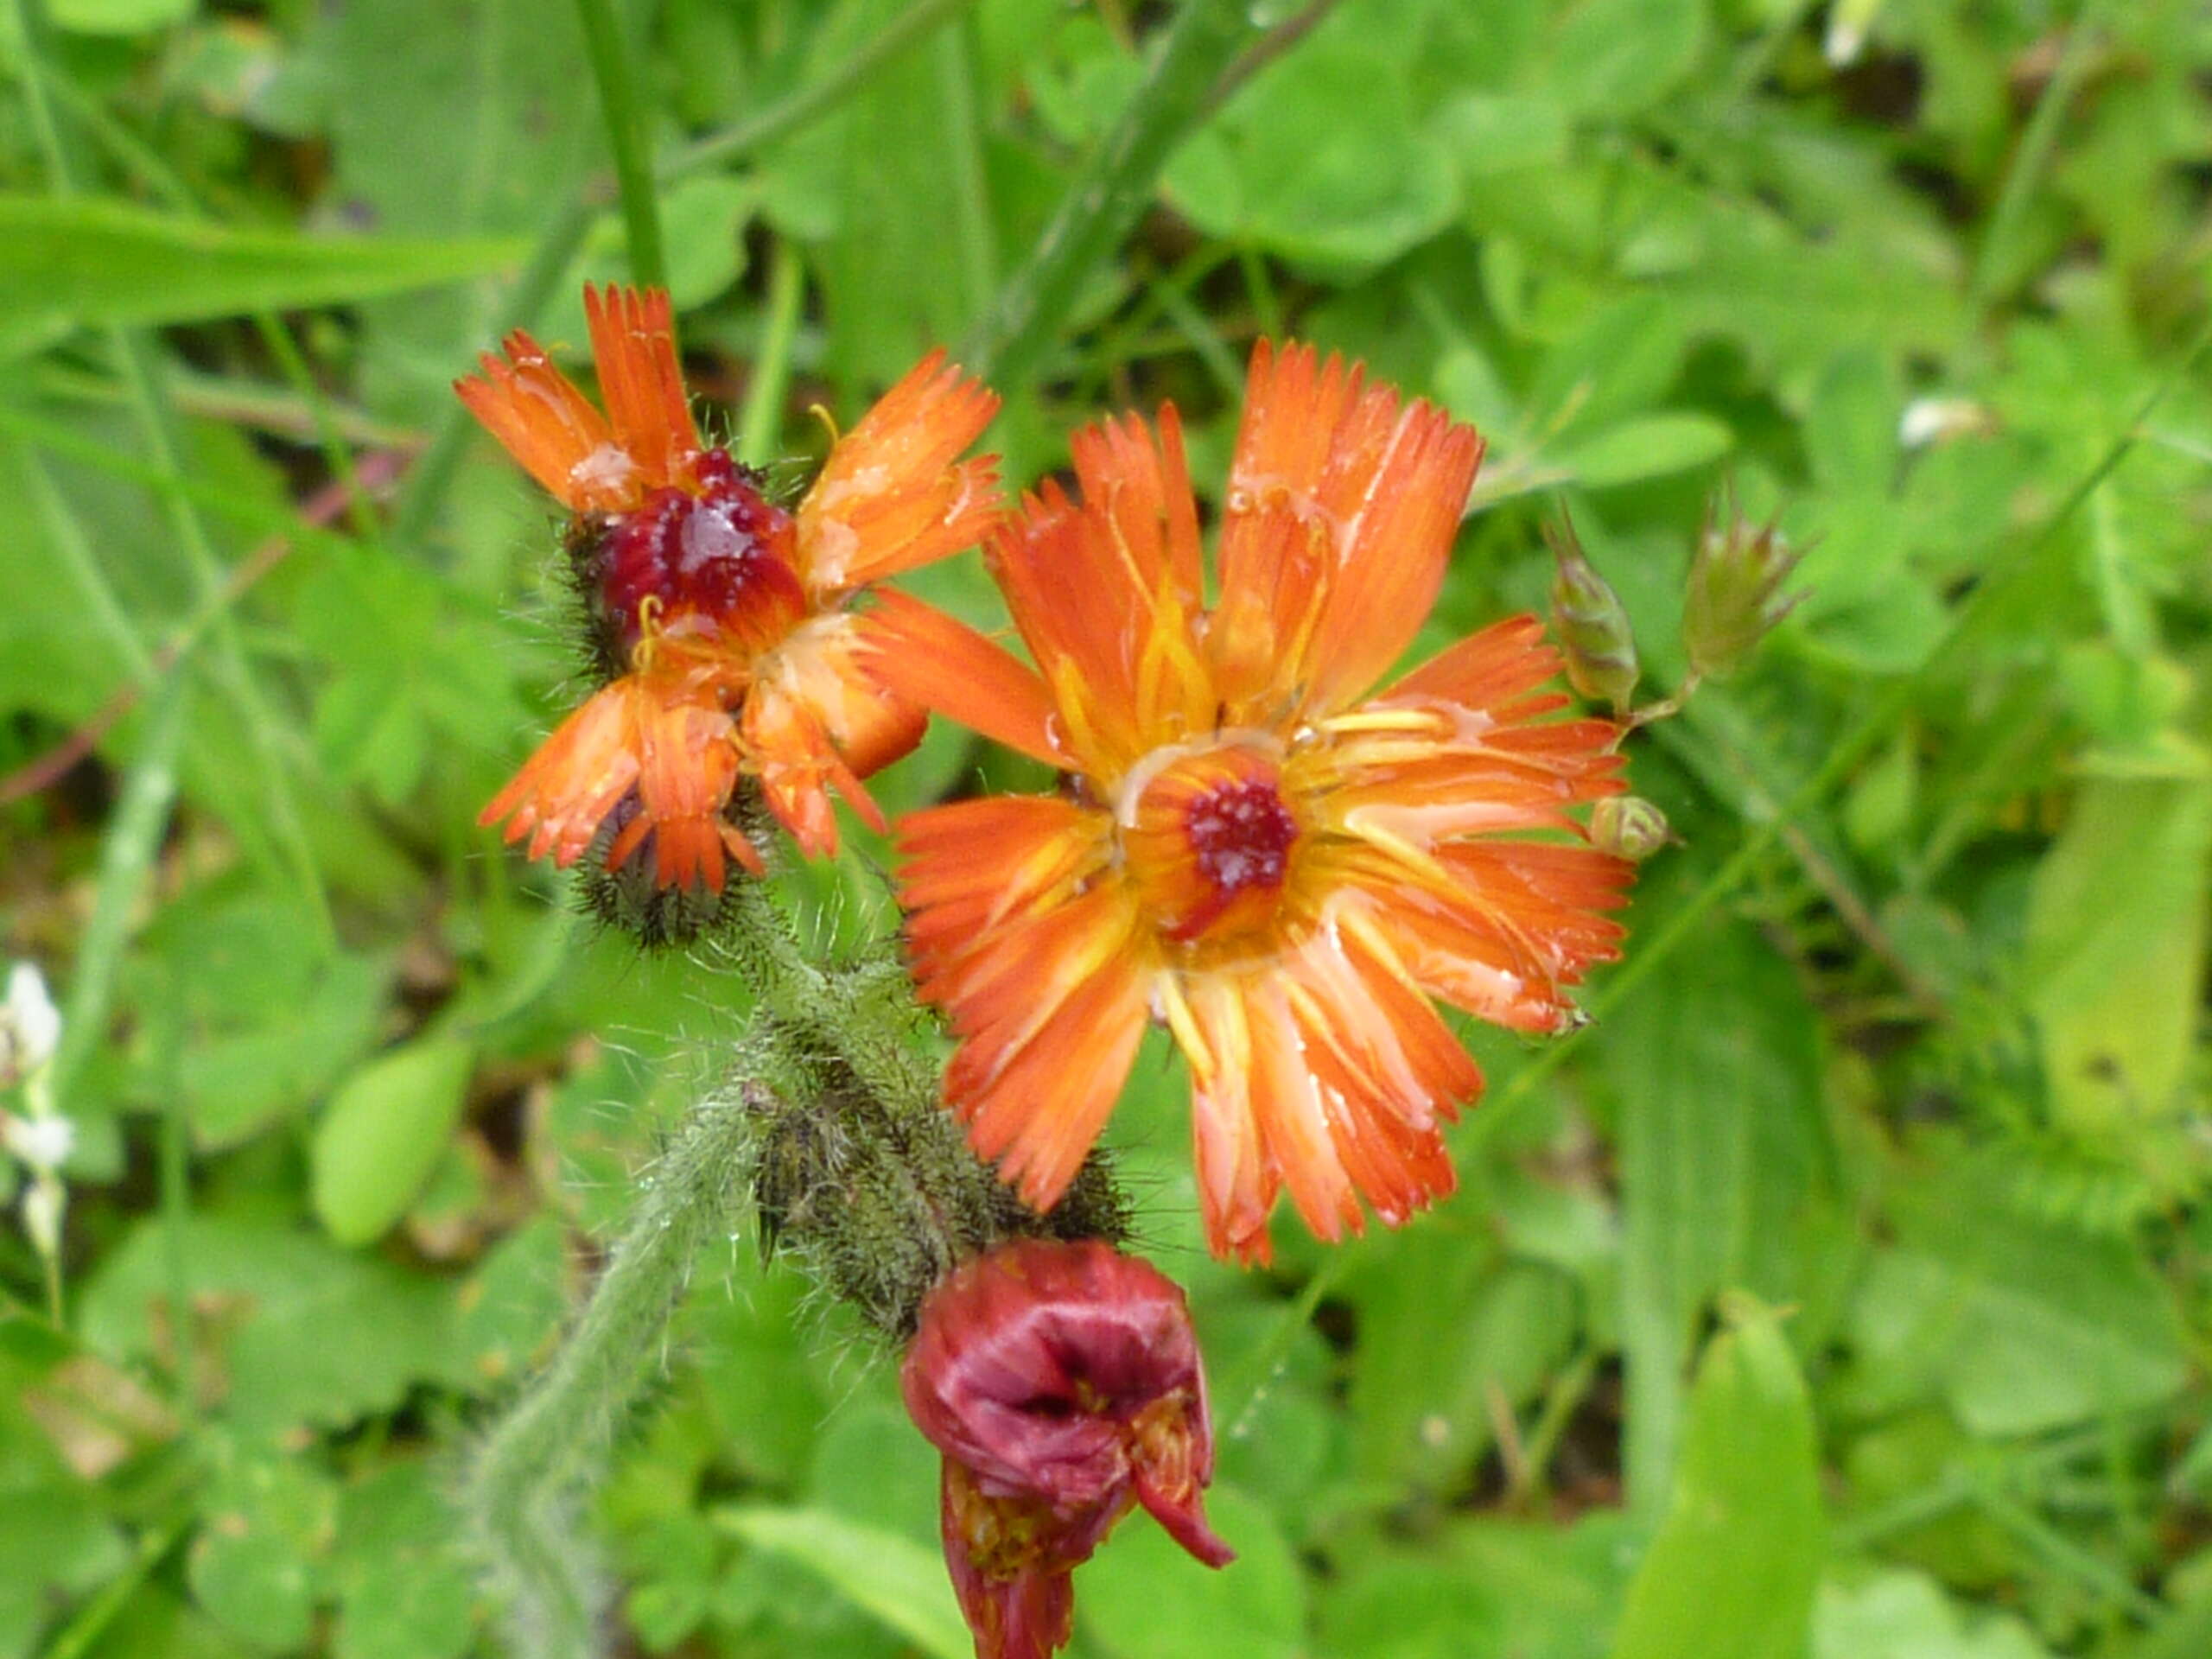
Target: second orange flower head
<point>1280,863</point>
<point>725,618</point>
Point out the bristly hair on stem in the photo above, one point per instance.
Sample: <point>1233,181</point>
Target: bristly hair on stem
<point>830,1132</point>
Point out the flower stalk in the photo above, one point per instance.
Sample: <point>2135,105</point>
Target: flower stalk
<point>634,173</point>
<point>832,1135</point>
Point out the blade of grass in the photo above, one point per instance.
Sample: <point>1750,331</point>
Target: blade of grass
<point>133,838</point>
<point>248,511</point>
<point>140,161</point>
<point>819,97</point>
<point>634,177</point>
<point>760,426</point>
<point>433,474</point>
<point>2028,159</point>
<point>140,376</point>
<point>258,405</point>
<point>1111,187</point>
<point>964,148</point>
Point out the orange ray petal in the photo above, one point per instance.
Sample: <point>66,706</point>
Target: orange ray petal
<point>925,657</point>
<point>1049,1025</point>
<point>787,747</point>
<point>1213,1023</point>
<point>550,428</point>
<point>1512,780</point>
<point>1104,618</point>
<point>687,765</point>
<point>566,789</point>
<point>889,497</point>
<point>1341,512</point>
<point>968,870</point>
<point>823,666</point>
<point>1140,485</point>
<point>641,380</point>
<point>1506,660</point>
<point>1512,927</point>
<point>1327,1073</point>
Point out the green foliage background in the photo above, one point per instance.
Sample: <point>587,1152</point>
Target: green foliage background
<point>1843,1293</point>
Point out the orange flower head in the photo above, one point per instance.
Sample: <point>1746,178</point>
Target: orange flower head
<point>1283,865</point>
<point>732,652</point>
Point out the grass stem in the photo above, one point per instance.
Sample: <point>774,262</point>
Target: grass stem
<point>634,176</point>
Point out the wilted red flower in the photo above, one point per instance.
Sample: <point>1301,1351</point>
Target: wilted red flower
<point>1280,866</point>
<point>1062,1383</point>
<point>730,614</point>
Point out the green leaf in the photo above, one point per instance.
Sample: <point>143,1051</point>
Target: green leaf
<point>308,1333</point>
<point>382,1134</point>
<point>899,1581</point>
<point>488,130</point>
<point>1732,1571</point>
<point>405,1589</point>
<point>1906,1616</point>
<point>1443,1327</point>
<point>1721,1138</point>
<point>54,1536</point>
<point>1649,446</point>
<point>80,262</point>
<point>1336,193</point>
<point>1614,58</point>
<point>254,1566</point>
<point>2021,1326</point>
<point>1143,1598</point>
<point>2116,948</point>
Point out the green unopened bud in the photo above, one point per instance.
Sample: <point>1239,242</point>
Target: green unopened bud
<point>1591,625</point>
<point>1630,827</point>
<point>873,1190</point>
<point>1734,597</point>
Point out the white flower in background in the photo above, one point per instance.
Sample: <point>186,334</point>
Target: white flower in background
<point>30,1026</point>
<point>40,1137</point>
<point>1938,420</point>
<point>40,1144</point>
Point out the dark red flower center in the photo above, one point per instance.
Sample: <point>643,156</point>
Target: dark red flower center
<point>1241,836</point>
<point>722,560</point>
<point>1211,841</point>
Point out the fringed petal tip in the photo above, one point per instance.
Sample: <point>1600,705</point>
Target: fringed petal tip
<point>641,380</point>
<point>639,765</point>
<point>894,494</point>
<point>544,423</point>
<point>588,461</point>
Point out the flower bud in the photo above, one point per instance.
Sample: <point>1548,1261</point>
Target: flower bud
<point>43,1203</point>
<point>1062,1383</point>
<point>1734,598</point>
<point>30,1026</point>
<point>875,1195</point>
<point>1630,827</point>
<point>1592,627</point>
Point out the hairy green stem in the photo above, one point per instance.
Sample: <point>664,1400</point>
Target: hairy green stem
<point>633,176</point>
<point>521,1497</point>
<point>1111,188</point>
